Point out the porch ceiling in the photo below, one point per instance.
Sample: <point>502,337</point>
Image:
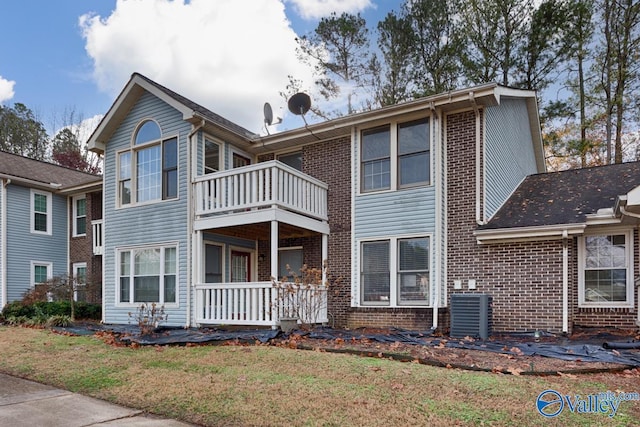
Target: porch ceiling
<point>262,231</point>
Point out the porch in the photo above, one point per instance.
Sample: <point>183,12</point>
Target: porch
<point>258,304</point>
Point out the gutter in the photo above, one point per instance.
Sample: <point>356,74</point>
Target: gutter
<point>32,183</point>
<point>544,232</point>
<point>3,242</point>
<point>190,173</point>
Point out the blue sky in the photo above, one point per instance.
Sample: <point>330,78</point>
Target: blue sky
<point>229,55</point>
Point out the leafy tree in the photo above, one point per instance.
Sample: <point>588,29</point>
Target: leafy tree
<point>22,133</point>
<point>67,152</point>
<point>339,50</point>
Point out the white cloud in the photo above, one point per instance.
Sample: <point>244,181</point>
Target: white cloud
<point>315,9</point>
<point>229,56</point>
<point>6,89</point>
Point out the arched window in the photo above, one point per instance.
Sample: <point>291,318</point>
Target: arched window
<point>148,171</point>
<point>149,131</point>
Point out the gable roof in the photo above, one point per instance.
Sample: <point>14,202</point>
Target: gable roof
<point>566,197</point>
<point>191,112</point>
<point>40,174</point>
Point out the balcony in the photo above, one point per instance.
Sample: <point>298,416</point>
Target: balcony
<point>97,230</point>
<point>267,185</point>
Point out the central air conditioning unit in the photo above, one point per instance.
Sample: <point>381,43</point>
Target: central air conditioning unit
<point>471,316</point>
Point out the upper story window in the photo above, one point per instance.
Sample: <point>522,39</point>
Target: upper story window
<point>606,270</point>
<point>79,216</point>
<point>41,212</point>
<point>376,159</point>
<point>211,156</point>
<point>395,156</point>
<point>148,171</point>
<point>292,159</point>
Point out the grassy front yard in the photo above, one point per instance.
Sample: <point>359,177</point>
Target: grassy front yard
<point>271,386</point>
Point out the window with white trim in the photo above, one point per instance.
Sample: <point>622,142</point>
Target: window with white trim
<point>290,262</point>
<point>606,270</point>
<point>80,277</point>
<point>211,156</point>
<point>148,274</point>
<point>40,272</point>
<point>79,216</point>
<point>292,159</point>
<point>148,171</point>
<point>41,206</point>
<point>395,272</point>
<point>395,156</point>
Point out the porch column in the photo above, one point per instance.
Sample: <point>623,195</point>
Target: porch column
<point>325,256</point>
<point>274,249</point>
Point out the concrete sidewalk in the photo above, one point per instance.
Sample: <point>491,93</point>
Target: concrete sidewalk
<point>27,403</point>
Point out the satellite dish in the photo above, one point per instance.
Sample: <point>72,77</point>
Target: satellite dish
<point>299,103</point>
<point>268,114</point>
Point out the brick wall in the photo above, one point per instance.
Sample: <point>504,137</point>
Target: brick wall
<point>524,278</point>
<point>81,248</point>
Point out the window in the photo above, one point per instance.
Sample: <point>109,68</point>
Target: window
<point>374,273</point>
<point>40,272</point>
<point>211,156</point>
<point>80,276</point>
<point>606,277</point>
<point>413,271</point>
<point>413,153</point>
<point>395,156</point>
<point>292,159</point>
<point>238,160</point>
<point>148,275</point>
<point>149,170</point>
<point>395,272</point>
<point>79,216</point>
<point>376,171</point>
<point>291,257</point>
<point>213,263</point>
<point>40,212</point>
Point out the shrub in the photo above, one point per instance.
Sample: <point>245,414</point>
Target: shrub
<point>59,320</point>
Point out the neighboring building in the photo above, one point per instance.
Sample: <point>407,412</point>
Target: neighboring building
<point>45,224</point>
<point>404,202</point>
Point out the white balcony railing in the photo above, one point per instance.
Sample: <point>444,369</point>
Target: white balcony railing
<point>98,236</point>
<point>262,185</point>
<point>257,303</point>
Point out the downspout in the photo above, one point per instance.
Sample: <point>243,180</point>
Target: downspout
<point>472,99</point>
<point>438,188</point>
<point>190,172</point>
<point>3,243</point>
<point>565,281</point>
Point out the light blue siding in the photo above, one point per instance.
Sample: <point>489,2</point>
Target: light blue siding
<point>23,247</point>
<point>396,212</point>
<point>151,224</point>
<point>509,155</point>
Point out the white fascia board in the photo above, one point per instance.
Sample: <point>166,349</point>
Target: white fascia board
<point>522,234</point>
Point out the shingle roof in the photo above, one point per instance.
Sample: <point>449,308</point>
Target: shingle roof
<point>43,172</point>
<point>205,112</point>
<point>565,197</point>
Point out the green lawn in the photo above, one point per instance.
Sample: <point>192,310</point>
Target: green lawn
<point>272,386</point>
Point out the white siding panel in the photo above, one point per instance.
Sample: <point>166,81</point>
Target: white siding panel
<point>155,223</point>
<point>509,155</point>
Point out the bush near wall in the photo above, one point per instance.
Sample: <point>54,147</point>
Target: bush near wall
<point>56,308</point>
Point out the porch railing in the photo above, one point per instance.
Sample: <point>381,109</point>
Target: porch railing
<point>256,303</point>
<point>261,185</point>
<point>97,236</point>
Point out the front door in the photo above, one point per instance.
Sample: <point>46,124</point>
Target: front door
<point>240,266</point>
